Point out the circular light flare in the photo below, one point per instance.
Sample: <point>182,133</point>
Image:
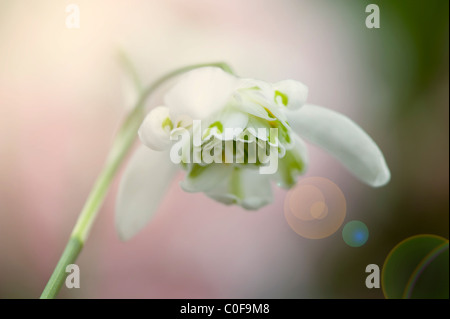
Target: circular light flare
<point>417,267</point>
<point>319,210</point>
<point>315,208</point>
<point>355,233</point>
<point>301,201</point>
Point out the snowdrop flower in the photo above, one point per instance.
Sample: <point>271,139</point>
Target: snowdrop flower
<point>222,101</point>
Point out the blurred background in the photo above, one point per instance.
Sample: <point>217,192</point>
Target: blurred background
<point>63,95</point>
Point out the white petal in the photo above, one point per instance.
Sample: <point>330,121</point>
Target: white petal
<point>256,189</point>
<point>290,93</point>
<point>293,164</point>
<point>200,93</point>
<point>344,139</point>
<point>145,181</point>
<point>254,108</point>
<point>244,187</point>
<point>155,129</point>
<point>202,178</point>
<point>247,83</point>
<point>255,123</point>
<point>225,125</point>
<point>258,100</point>
<point>301,149</point>
<point>232,119</point>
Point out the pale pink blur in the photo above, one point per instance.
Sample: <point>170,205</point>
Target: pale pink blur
<point>62,97</point>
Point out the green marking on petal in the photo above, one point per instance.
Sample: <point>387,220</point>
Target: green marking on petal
<point>217,124</point>
<point>273,135</point>
<point>196,170</point>
<point>235,183</point>
<point>252,88</point>
<point>270,113</point>
<point>290,166</point>
<point>167,123</point>
<point>284,97</point>
<point>285,133</point>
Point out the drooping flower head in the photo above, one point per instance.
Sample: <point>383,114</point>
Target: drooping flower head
<point>233,136</point>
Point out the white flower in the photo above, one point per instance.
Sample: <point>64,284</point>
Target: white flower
<point>222,101</point>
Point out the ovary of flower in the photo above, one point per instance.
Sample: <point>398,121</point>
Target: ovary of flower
<point>224,165</point>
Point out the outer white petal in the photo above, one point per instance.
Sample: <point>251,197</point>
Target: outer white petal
<point>200,93</point>
<point>344,139</point>
<point>153,133</point>
<point>144,183</point>
<point>293,93</point>
<point>244,187</point>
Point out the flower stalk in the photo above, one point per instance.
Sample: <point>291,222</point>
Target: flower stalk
<point>122,144</point>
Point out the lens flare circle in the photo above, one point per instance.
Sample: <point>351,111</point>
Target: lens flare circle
<point>417,268</point>
<point>355,233</point>
<point>315,208</point>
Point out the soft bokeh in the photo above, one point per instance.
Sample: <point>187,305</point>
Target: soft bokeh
<point>63,95</point>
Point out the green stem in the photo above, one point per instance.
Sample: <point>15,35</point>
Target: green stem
<point>70,254</point>
<point>121,146</point>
